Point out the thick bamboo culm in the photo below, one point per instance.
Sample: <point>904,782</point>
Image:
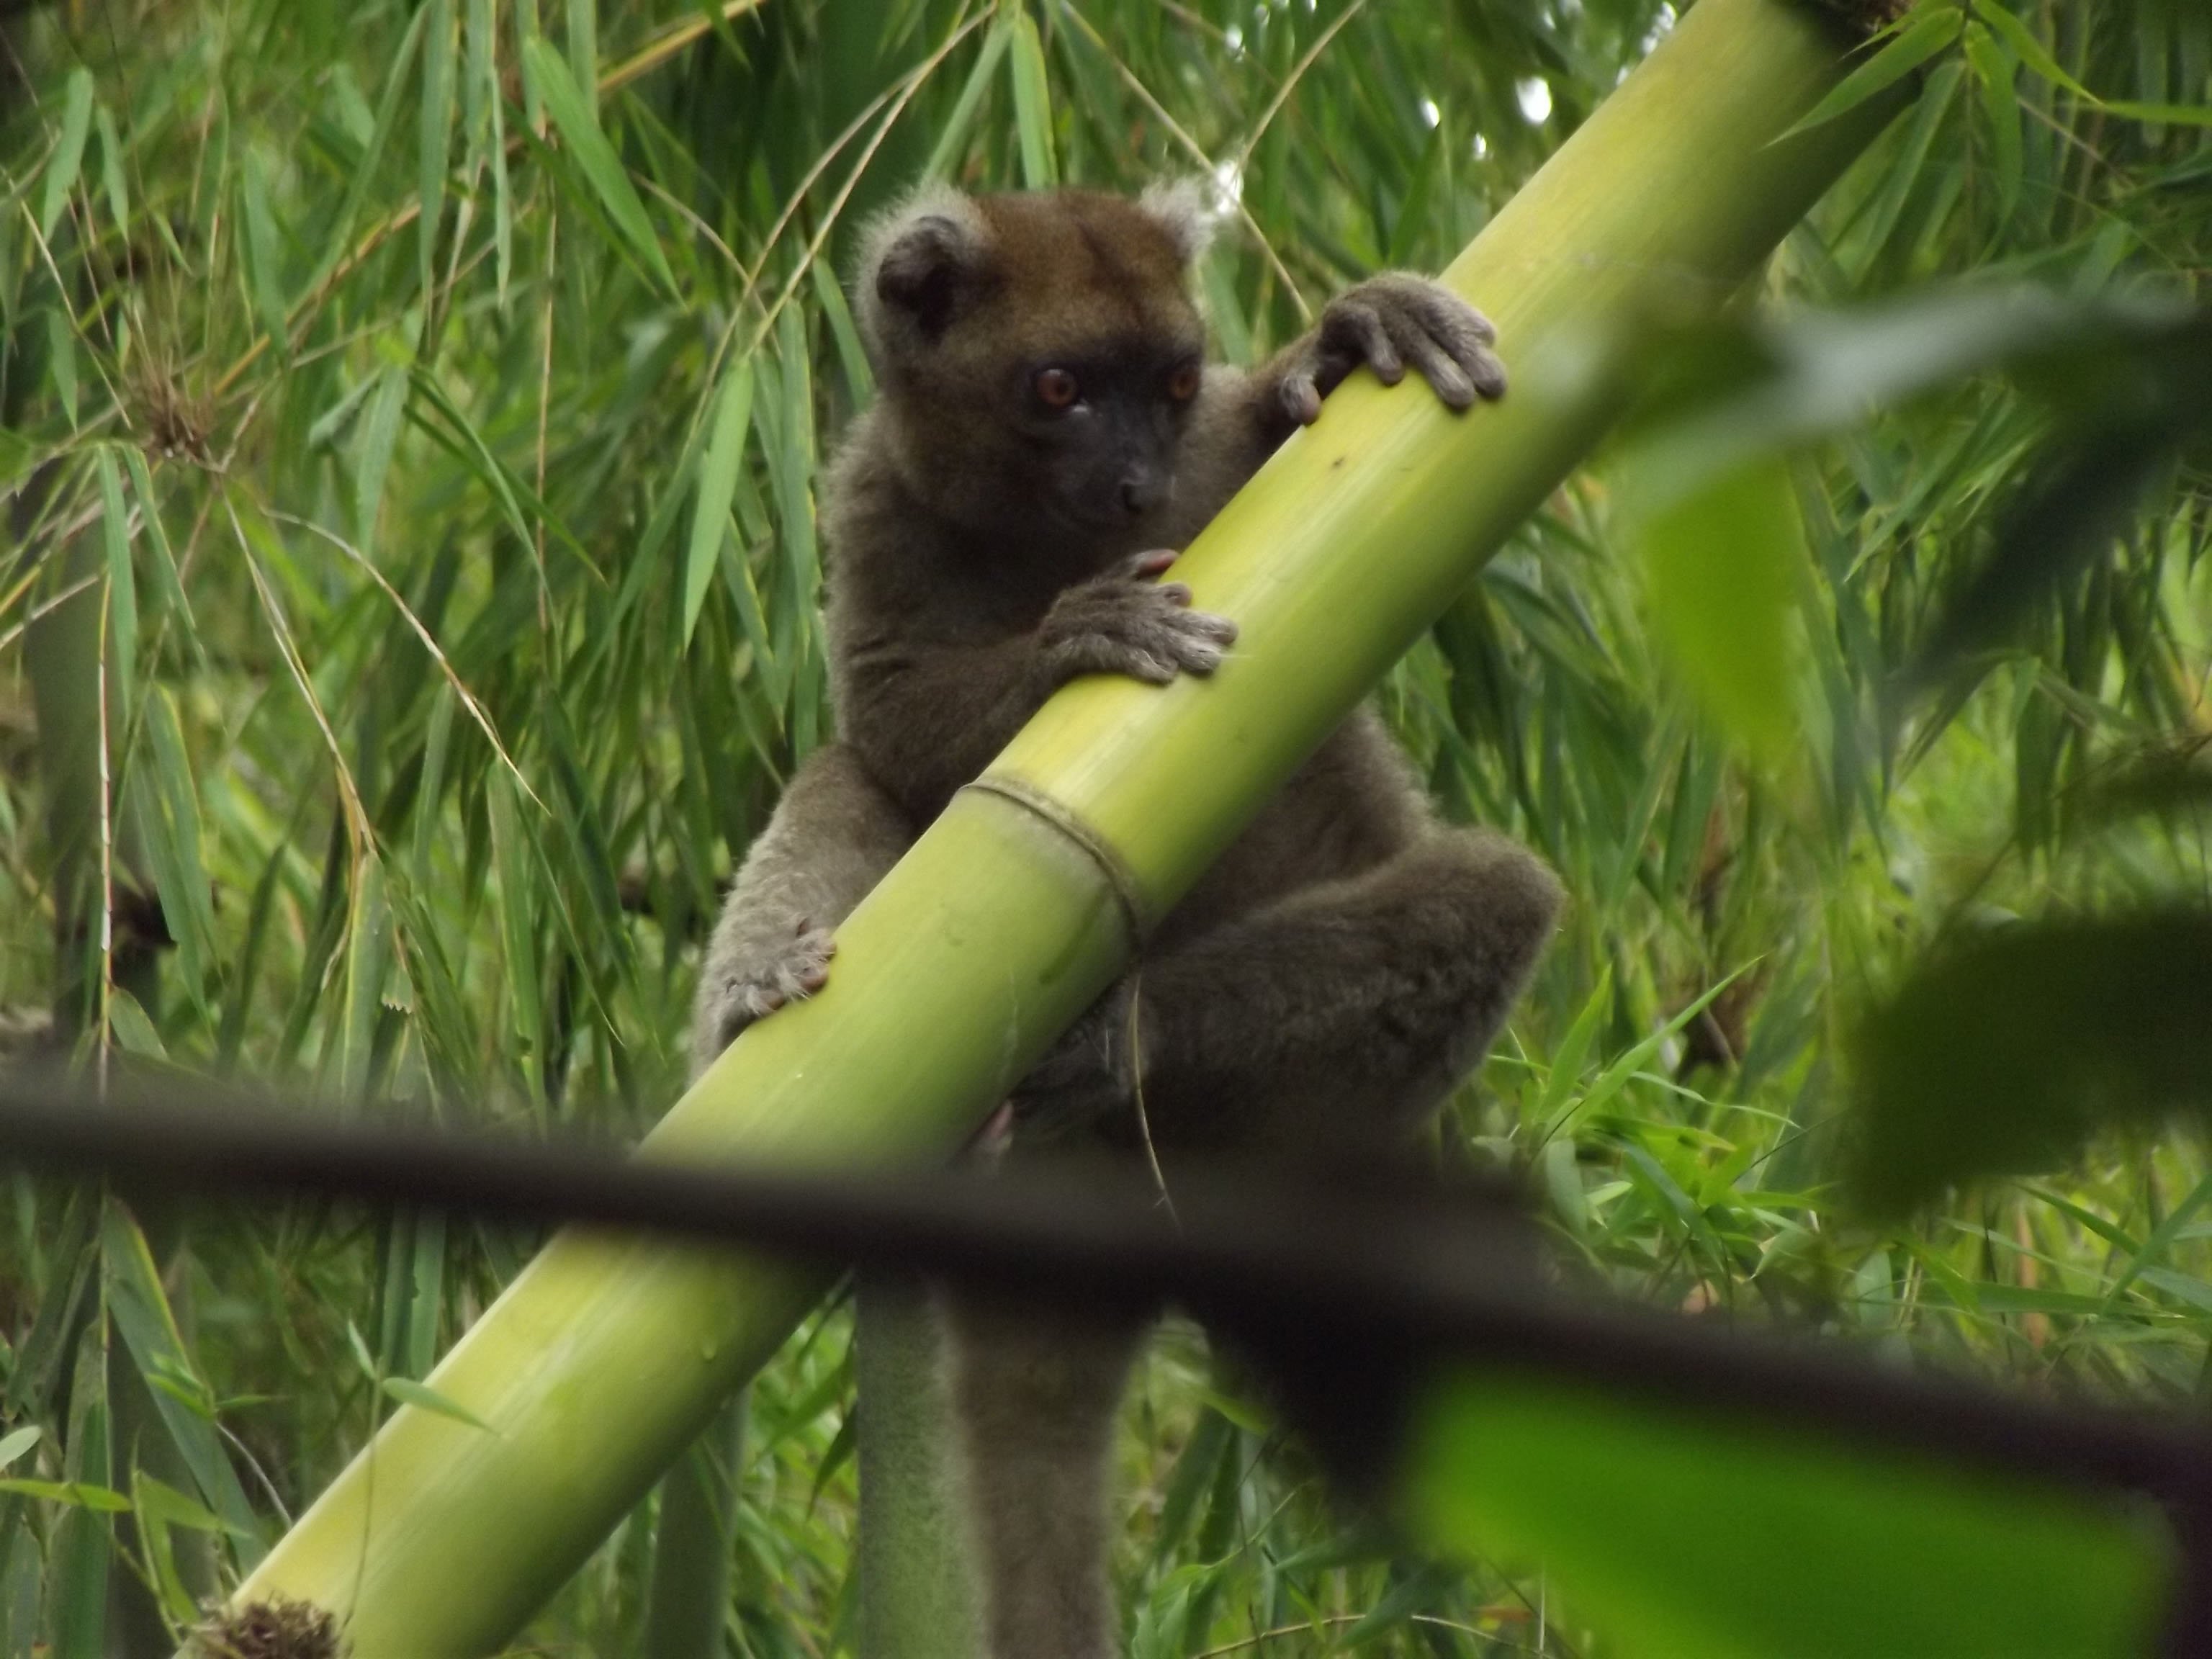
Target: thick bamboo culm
<point>608,1355</point>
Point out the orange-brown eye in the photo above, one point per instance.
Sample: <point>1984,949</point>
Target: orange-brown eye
<point>1056,388</point>
<point>1182,384</point>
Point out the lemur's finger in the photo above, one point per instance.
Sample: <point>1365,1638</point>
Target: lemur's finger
<point>1356,324</point>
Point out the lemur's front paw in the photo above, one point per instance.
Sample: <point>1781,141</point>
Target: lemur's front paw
<point>1385,323</point>
<point>1126,622</point>
<point>752,990</point>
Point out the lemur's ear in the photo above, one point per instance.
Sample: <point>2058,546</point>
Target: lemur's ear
<point>921,257</point>
<point>1183,208</point>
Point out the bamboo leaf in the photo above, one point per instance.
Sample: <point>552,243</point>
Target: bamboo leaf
<point>378,438</point>
<point>573,114</point>
<point>852,355</point>
<point>1032,104</point>
<point>111,170</point>
<point>16,1442</point>
<point>518,929</point>
<point>364,170</point>
<point>718,485</point>
<point>434,152</point>
<point>81,1546</point>
<point>1615,1077</point>
<point>2031,50</point>
<point>489,110</point>
<point>1995,69</point>
<point>78,1494</point>
<point>132,1285</point>
<point>369,955</point>
<point>67,158</point>
<point>952,137</point>
<point>166,580</point>
<point>525,31</point>
<point>1574,1048</point>
<point>2185,115</point>
<point>425,1398</point>
<point>1934,29</point>
<point>61,361</point>
<point>260,247</point>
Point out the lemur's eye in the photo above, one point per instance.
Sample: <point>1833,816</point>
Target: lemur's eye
<point>1182,384</point>
<point>1056,388</point>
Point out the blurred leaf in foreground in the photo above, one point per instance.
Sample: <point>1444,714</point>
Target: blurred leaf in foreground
<point>1723,562</point>
<point>1706,1536</point>
<point>2006,1049</point>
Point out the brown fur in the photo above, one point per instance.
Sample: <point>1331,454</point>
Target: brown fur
<point>1349,958</point>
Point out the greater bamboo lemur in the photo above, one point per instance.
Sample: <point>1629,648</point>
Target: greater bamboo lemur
<point>1046,420</point>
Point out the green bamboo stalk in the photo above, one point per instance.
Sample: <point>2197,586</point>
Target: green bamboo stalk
<point>607,1355</point>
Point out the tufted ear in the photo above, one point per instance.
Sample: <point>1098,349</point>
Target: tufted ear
<point>1183,208</point>
<point>919,256</point>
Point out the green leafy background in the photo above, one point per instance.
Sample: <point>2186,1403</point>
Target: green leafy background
<point>411,422</point>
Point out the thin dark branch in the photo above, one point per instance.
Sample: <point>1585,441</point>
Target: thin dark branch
<point>1321,1283</point>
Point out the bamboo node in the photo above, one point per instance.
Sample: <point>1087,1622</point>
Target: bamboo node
<point>1128,892</point>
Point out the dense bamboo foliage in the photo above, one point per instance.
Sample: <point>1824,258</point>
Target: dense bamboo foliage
<point>412,462</point>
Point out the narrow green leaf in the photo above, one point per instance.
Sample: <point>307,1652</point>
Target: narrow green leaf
<point>525,31</point>
<point>1611,1080</point>
<point>2031,50</point>
<point>484,90</point>
<point>518,931</point>
<point>2161,1239</point>
<point>368,956</point>
<point>1995,68</point>
<point>952,136</point>
<point>1920,39</point>
<point>128,1024</point>
<point>81,1546</point>
<point>595,158</point>
<point>132,1285</point>
<point>426,1292</point>
<point>158,1501</point>
<point>718,485</point>
<point>791,479</point>
<point>434,155</point>
<point>1574,1047</point>
<point>477,455</point>
<point>583,18</point>
<point>180,870</point>
<point>15,1443</point>
<point>1033,105</point>
<point>361,1355</point>
<point>61,361</point>
<point>67,158</point>
<point>425,1398</point>
<point>167,580</point>
<point>377,437</point>
<point>852,355</point>
<point>364,173</point>
<point>106,1500</point>
<point>260,237</point>
<point>2185,115</point>
<point>111,171</point>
